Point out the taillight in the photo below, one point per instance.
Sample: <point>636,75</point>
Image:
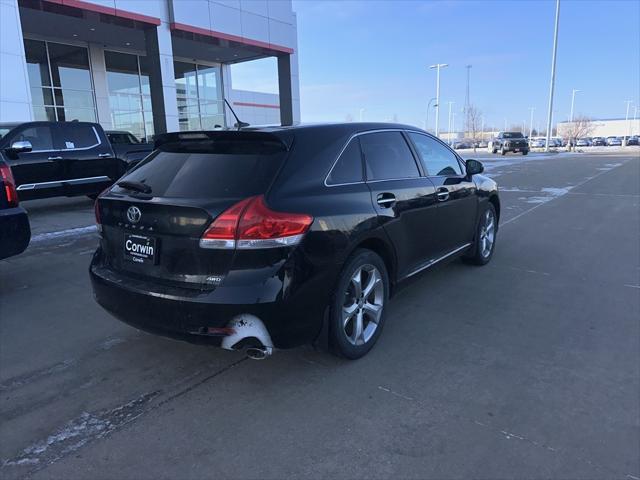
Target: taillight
<point>251,224</point>
<point>96,210</point>
<point>10,191</point>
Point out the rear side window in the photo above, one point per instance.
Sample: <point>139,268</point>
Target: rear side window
<point>218,169</point>
<point>388,156</point>
<point>348,168</point>
<point>436,158</point>
<point>78,136</point>
<point>39,136</point>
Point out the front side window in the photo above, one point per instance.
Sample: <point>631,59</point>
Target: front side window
<point>435,157</point>
<point>39,136</point>
<point>60,81</point>
<point>348,168</point>
<point>387,156</point>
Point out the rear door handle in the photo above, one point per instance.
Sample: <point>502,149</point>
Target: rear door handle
<point>443,194</point>
<point>54,158</point>
<point>386,200</point>
<point>102,155</point>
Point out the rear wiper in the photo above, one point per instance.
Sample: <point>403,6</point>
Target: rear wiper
<point>135,186</point>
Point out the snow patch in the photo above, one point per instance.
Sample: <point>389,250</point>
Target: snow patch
<point>71,232</point>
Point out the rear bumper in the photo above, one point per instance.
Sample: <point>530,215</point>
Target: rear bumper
<point>15,232</point>
<point>291,319</point>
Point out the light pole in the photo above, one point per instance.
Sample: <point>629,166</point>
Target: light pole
<point>361,112</point>
<point>553,76</point>
<point>449,125</point>
<point>626,119</point>
<point>482,128</point>
<point>426,123</point>
<point>573,99</point>
<point>505,125</point>
<point>453,120</point>
<point>438,66</point>
<point>531,121</point>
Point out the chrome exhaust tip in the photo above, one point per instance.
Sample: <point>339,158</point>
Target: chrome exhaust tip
<point>258,353</point>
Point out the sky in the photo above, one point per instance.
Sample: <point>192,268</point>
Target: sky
<point>374,55</point>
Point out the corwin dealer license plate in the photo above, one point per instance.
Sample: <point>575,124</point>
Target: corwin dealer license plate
<point>140,249</point>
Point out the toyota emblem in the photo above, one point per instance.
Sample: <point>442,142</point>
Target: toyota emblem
<point>134,214</point>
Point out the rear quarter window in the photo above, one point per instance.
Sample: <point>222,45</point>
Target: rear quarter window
<point>348,168</point>
<point>219,169</point>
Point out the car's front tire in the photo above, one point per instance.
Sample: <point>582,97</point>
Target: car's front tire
<point>358,305</point>
<point>485,239</point>
<point>525,152</point>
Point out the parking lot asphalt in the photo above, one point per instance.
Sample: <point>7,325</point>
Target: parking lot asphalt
<point>527,367</point>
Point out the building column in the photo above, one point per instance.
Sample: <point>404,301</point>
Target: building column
<point>15,94</point>
<point>284,89</point>
<point>100,87</point>
<point>161,79</point>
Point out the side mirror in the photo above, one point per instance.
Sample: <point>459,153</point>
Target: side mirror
<point>474,167</point>
<point>21,147</point>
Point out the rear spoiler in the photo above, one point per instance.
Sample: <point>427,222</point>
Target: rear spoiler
<point>199,136</point>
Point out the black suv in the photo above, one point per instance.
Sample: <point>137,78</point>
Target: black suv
<point>51,159</point>
<point>510,142</point>
<point>268,237</point>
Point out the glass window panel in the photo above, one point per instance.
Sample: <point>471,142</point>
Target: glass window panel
<point>44,114</point>
<point>122,72</point>
<point>436,158</point>
<point>41,96</point>
<point>78,136</point>
<point>185,78</point>
<point>211,122</point>
<point>146,103</point>
<point>73,98</point>
<point>70,66</point>
<point>348,168</point>
<point>66,114</point>
<point>387,156</point>
<point>211,108</point>
<point>145,72</point>
<point>208,83</point>
<point>37,64</point>
<point>39,136</point>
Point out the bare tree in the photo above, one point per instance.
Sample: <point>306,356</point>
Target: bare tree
<point>581,126</point>
<point>474,124</point>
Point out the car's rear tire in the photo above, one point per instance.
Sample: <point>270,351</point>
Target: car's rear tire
<point>485,239</point>
<point>358,305</point>
<point>494,151</point>
<point>503,151</point>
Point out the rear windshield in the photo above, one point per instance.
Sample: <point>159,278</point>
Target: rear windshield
<point>210,169</point>
<point>512,135</point>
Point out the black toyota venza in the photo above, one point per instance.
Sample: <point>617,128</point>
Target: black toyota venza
<point>273,237</point>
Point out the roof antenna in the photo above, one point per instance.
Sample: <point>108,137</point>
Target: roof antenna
<point>239,123</point>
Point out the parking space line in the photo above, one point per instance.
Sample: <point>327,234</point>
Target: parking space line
<point>579,184</point>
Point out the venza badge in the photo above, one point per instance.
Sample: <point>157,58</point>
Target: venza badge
<point>134,214</point>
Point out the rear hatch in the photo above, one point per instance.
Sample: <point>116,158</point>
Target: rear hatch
<point>153,219</point>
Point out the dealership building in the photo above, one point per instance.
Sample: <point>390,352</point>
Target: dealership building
<point>146,66</point>
<point>615,127</point>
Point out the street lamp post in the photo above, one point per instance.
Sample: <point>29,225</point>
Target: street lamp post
<point>531,122</point>
<point>438,66</point>
<point>426,123</point>
<point>361,112</point>
<point>449,123</point>
<point>553,76</point>
<point>453,120</point>
<point>626,120</point>
<point>573,99</point>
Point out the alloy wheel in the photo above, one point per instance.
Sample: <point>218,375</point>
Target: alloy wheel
<point>487,233</point>
<point>363,304</point>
